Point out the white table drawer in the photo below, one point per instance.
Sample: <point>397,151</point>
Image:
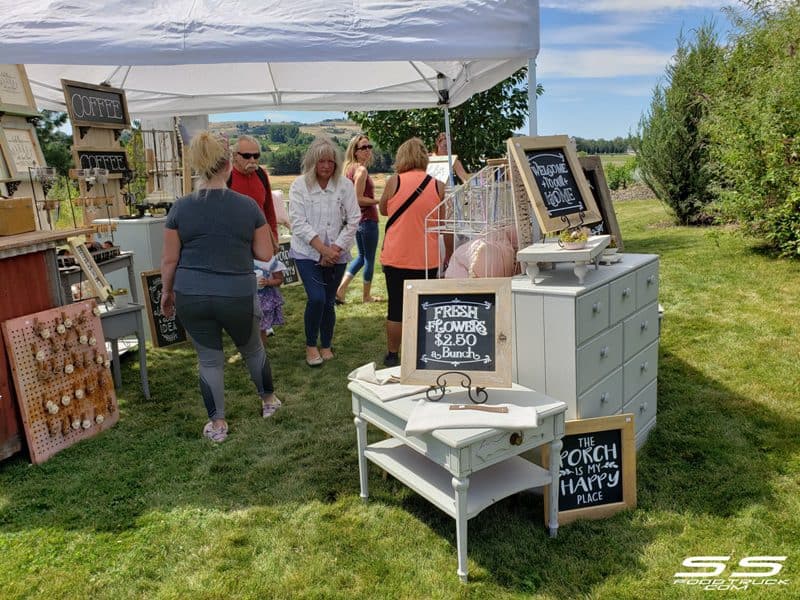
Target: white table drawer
<point>599,357</point>
<point>591,313</point>
<point>640,330</point>
<point>499,446</point>
<point>640,370</point>
<point>622,297</point>
<point>647,284</point>
<point>602,400</point>
<point>643,406</point>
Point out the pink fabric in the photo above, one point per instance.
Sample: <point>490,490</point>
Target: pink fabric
<point>482,258</point>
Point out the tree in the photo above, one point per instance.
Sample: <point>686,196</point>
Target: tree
<point>672,150</point>
<point>479,127</point>
<point>56,145</point>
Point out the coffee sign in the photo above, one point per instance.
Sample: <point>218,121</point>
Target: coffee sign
<point>116,161</point>
<point>554,182</point>
<point>457,325</point>
<point>95,105</point>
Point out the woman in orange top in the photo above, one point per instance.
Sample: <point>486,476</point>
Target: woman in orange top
<point>403,256</point>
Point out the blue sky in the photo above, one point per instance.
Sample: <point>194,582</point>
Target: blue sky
<point>599,61</point>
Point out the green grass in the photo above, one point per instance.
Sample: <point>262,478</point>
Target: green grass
<point>149,509</point>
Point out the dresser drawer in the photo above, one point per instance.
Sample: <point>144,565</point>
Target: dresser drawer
<point>602,400</point>
<point>509,443</point>
<point>643,406</point>
<point>647,284</point>
<point>591,314</point>
<point>598,358</point>
<point>640,330</point>
<point>640,370</point>
<point>622,297</point>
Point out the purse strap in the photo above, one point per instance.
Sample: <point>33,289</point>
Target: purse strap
<point>396,215</point>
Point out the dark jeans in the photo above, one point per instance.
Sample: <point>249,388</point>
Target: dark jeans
<point>320,284</point>
<point>367,242</point>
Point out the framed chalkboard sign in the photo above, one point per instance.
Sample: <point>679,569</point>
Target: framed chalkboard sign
<point>457,325</point>
<point>16,97</point>
<point>116,161</point>
<point>554,182</point>
<point>95,105</point>
<point>595,175</point>
<point>164,331</point>
<point>21,150</point>
<point>291,274</point>
<point>597,475</point>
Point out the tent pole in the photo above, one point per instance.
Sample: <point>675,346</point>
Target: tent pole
<point>449,148</point>
<point>532,115</point>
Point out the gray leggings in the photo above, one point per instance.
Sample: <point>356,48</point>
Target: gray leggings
<point>204,318</point>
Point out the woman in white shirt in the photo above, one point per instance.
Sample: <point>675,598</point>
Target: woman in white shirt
<point>324,213</point>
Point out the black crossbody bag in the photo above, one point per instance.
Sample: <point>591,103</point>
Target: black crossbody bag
<point>396,215</point>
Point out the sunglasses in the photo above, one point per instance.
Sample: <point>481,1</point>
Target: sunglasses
<point>249,155</point>
<point>367,147</point>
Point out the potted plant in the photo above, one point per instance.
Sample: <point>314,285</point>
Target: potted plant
<point>573,238</point>
<point>612,246</point>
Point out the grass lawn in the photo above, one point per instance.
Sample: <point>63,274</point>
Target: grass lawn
<point>149,509</point>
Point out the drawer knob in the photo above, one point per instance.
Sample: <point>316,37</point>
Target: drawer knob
<point>644,366</point>
<point>651,280</point>
<point>596,307</point>
<point>626,292</point>
<point>643,407</point>
<point>603,397</point>
<point>604,352</point>
<point>644,325</point>
<point>515,439</point>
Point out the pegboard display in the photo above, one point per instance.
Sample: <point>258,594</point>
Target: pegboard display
<point>62,375</point>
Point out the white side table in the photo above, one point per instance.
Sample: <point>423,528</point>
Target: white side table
<point>461,471</point>
<point>551,252</point>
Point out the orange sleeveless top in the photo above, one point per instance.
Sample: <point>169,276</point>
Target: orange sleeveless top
<point>403,246</point>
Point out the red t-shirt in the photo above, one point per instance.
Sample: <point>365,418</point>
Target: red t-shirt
<point>250,185</point>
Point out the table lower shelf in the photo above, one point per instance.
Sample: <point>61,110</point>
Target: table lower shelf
<point>434,483</point>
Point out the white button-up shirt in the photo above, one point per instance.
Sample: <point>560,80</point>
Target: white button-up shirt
<point>332,214</point>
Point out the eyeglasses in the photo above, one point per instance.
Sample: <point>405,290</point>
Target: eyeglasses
<point>367,147</point>
<point>249,155</point>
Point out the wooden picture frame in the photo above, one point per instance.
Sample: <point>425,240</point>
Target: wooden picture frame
<point>16,96</point>
<point>567,200</point>
<point>21,150</point>
<point>596,177</point>
<point>91,105</point>
<point>94,275</point>
<point>461,325</point>
<point>616,428</point>
<point>164,331</point>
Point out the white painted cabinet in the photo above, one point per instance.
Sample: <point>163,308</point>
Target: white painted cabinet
<point>592,345</point>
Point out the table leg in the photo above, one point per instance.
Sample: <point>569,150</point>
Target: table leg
<point>555,462</point>
<point>580,270</point>
<point>142,355</point>
<point>115,363</point>
<point>460,486</point>
<point>532,269</point>
<point>361,437</point>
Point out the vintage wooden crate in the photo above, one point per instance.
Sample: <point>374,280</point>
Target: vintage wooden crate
<point>16,216</point>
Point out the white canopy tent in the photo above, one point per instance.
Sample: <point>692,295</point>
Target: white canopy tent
<point>187,57</point>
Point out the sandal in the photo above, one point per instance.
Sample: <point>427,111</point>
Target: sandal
<point>269,408</point>
<point>215,435</point>
<point>313,361</point>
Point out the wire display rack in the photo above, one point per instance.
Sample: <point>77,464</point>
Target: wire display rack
<point>480,216</point>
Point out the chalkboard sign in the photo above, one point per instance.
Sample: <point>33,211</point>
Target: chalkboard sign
<point>164,331</point>
<point>597,475</point>
<point>554,182</point>
<point>116,161</point>
<point>596,177</point>
<point>291,274</point>
<point>457,325</point>
<point>95,105</point>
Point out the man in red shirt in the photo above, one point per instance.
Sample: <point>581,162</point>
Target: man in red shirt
<point>248,178</point>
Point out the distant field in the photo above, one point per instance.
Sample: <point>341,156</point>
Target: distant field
<point>282,182</point>
<point>614,159</point>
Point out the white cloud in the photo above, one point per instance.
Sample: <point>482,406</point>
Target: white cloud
<point>600,6</point>
<point>595,34</point>
<point>601,62</point>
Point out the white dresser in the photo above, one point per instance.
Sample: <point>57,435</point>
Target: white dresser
<point>592,345</point>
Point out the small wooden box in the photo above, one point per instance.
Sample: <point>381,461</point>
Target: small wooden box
<point>16,216</point>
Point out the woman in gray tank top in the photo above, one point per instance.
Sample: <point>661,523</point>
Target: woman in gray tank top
<point>210,240</point>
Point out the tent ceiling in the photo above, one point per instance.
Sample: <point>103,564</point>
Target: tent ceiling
<point>204,56</point>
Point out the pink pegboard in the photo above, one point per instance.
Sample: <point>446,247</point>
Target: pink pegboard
<point>62,376</point>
